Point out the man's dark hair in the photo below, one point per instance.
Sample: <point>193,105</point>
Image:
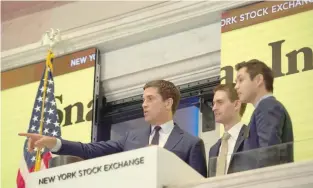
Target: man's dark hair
<point>255,67</point>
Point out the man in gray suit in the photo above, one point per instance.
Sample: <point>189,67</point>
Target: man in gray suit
<point>228,110</point>
<point>160,101</point>
<point>270,126</point>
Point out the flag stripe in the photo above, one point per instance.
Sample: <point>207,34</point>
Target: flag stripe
<point>46,159</point>
<point>20,180</point>
<point>23,171</point>
<point>23,168</point>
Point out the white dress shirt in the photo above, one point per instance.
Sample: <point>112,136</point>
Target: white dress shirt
<point>234,133</point>
<point>164,132</point>
<point>57,146</point>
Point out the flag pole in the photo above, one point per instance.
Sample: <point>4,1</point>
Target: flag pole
<point>48,66</point>
<point>50,38</point>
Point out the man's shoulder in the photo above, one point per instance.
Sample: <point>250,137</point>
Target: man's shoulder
<point>271,106</point>
<point>270,103</point>
<point>188,136</point>
<point>138,131</point>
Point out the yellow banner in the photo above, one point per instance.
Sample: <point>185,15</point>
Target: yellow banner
<point>285,43</point>
<point>74,86</point>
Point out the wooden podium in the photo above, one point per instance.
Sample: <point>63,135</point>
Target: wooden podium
<point>150,167</point>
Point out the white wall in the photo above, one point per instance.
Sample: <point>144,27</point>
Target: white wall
<point>182,58</point>
<point>178,41</point>
<point>69,17</point>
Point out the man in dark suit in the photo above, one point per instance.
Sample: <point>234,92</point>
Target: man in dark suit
<point>228,111</point>
<point>160,101</point>
<point>270,127</point>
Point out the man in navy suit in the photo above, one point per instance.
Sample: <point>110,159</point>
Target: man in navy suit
<point>228,111</point>
<point>160,101</point>
<point>270,126</point>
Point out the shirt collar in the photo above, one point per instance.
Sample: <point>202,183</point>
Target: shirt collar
<point>165,128</point>
<point>235,130</point>
<point>262,98</point>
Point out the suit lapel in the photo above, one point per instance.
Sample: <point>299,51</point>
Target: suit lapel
<point>244,131</point>
<point>213,154</point>
<point>216,148</point>
<point>142,138</point>
<point>175,137</point>
<point>241,137</point>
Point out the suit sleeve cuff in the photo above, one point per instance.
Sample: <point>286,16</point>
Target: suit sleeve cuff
<point>58,146</point>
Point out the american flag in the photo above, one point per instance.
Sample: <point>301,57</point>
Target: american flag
<point>50,127</point>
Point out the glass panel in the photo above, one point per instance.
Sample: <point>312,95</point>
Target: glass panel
<point>188,119</point>
<point>265,157</point>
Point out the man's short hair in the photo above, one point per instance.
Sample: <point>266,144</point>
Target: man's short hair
<point>255,67</point>
<point>167,90</point>
<point>232,95</point>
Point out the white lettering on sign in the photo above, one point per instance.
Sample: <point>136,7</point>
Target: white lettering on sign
<point>92,57</point>
<point>229,21</point>
<point>289,5</point>
<point>92,170</point>
<point>83,60</point>
<point>254,14</point>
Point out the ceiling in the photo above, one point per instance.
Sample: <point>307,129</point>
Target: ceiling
<point>15,9</point>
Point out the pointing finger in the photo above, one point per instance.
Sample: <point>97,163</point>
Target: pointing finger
<point>26,134</point>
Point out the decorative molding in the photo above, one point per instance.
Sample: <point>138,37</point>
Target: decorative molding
<point>146,24</point>
<point>181,72</point>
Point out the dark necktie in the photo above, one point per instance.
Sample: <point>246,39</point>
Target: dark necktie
<point>155,140</point>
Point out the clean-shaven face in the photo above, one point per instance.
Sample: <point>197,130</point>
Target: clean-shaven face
<point>245,87</point>
<point>224,110</point>
<point>154,107</point>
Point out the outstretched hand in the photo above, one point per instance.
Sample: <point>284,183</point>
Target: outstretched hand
<point>39,141</point>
